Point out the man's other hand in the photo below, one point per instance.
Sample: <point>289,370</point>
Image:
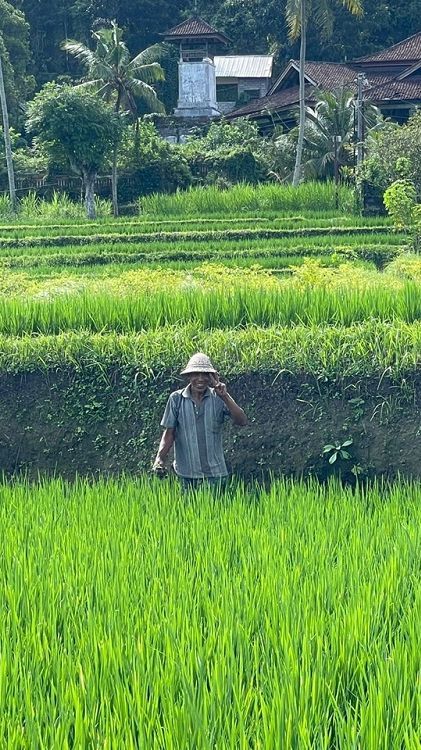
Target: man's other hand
<point>159,468</point>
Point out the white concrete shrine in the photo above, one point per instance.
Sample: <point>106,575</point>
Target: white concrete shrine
<point>197,89</point>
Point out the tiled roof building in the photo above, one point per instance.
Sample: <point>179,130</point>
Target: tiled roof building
<point>393,83</point>
<point>403,52</point>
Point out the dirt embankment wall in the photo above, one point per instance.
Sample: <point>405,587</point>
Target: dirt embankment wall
<point>70,422</point>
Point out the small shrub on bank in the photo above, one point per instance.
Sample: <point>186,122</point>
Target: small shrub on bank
<point>400,199</point>
<point>31,206</point>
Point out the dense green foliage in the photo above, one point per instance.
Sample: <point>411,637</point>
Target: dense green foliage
<point>153,164</point>
<point>73,126</point>
<point>393,153</point>
<point>15,55</point>
<point>253,27</point>
<point>229,153</point>
<point>76,128</point>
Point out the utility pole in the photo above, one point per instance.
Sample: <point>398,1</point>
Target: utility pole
<point>337,140</point>
<point>7,141</point>
<point>360,119</point>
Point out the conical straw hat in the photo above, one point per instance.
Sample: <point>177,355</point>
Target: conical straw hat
<point>199,362</point>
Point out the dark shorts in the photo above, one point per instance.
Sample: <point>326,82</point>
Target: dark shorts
<point>215,484</point>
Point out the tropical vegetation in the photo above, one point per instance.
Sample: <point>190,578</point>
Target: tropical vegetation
<point>118,79</point>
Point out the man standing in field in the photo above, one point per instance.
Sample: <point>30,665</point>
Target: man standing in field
<point>193,422</point>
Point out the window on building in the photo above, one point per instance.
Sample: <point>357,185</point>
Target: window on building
<point>399,114</point>
<point>249,94</point>
<point>227,92</point>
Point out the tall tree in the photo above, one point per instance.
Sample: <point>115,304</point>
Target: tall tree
<point>7,141</point>
<point>329,132</point>
<point>75,127</point>
<point>15,54</point>
<point>298,14</point>
<point>119,79</point>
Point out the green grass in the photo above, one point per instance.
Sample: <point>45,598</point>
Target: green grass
<point>135,618</point>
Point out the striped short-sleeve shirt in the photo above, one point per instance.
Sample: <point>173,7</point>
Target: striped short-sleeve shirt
<point>198,450</point>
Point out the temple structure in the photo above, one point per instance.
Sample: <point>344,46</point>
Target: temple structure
<point>198,43</point>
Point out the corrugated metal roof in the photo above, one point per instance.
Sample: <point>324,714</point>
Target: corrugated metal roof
<point>243,66</point>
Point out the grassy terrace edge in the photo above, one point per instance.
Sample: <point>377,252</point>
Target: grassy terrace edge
<point>197,236</point>
<point>366,349</point>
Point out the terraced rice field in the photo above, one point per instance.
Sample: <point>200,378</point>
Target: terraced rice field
<point>284,615</point>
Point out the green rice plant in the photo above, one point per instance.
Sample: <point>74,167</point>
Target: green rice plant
<point>371,348</point>
<point>212,235</point>
<point>60,207</point>
<point>245,198</point>
<point>29,204</point>
<point>6,211</point>
<point>214,307</point>
<point>378,249</point>
<point>287,617</point>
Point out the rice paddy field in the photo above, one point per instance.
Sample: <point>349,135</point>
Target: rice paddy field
<point>284,613</point>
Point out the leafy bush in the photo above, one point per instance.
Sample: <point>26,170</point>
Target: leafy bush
<point>385,164</point>
<point>400,199</point>
<point>153,163</point>
<point>25,159</point>
<point>230,153</point>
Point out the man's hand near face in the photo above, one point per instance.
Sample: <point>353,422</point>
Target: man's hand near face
<point>219,387</point>
<point>237,414</point>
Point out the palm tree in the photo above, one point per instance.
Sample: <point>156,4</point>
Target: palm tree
<point>7,141</point>
<point>298,13</point>
<point>329,132</point>
<point>117,78</point>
